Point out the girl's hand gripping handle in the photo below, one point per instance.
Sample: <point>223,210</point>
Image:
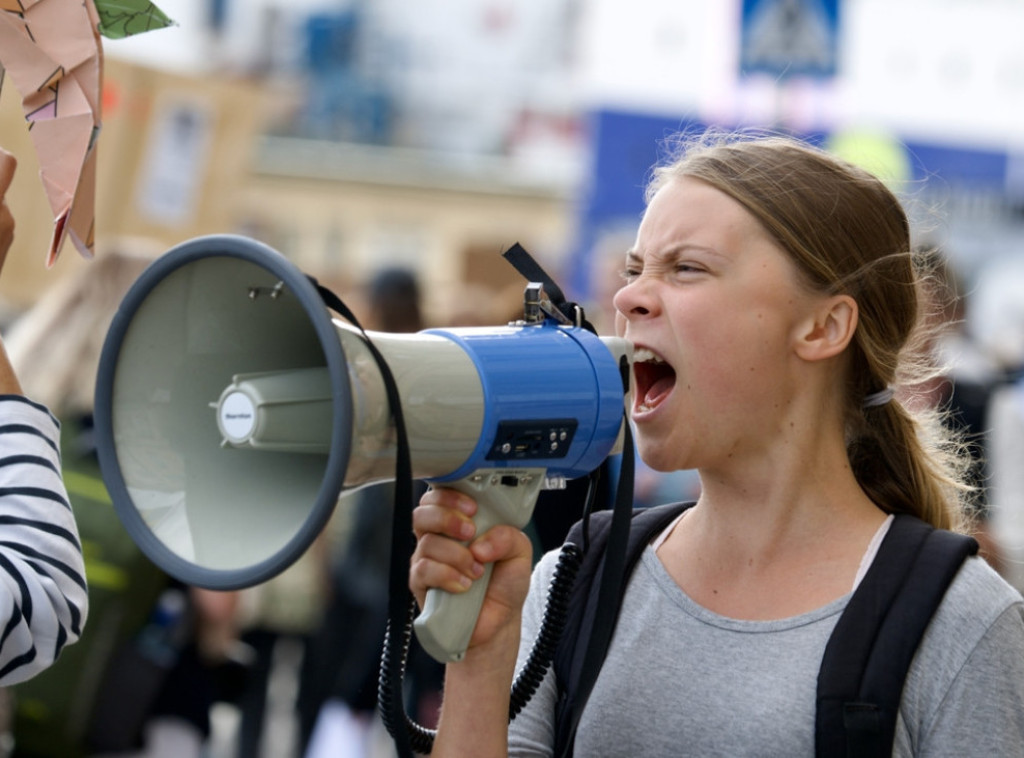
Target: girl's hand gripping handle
<point>504,496</point>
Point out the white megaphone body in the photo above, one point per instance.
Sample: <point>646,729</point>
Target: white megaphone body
<point>232,410</point>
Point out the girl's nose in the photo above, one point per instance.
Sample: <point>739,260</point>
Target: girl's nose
<point>634,299</point>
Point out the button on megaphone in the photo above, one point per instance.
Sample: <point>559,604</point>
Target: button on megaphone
<point>232,409</point>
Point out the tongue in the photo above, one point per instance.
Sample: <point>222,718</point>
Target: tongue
<point>659,389</point>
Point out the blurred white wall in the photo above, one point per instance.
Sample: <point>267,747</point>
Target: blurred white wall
<point>951,70</point>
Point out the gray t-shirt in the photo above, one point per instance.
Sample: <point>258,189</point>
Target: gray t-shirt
<point>680,680</point>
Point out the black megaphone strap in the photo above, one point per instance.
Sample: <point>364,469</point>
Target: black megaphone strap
<point>402,543</point>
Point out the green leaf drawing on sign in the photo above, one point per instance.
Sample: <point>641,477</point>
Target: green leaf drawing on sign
<point>123,18</point>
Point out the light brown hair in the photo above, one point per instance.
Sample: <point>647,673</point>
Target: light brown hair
<point>848,233</point>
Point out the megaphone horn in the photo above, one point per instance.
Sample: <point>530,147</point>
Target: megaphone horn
<point>232,409</point>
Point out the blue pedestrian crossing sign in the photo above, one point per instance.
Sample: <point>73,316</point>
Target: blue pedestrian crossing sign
<point>786,38</point>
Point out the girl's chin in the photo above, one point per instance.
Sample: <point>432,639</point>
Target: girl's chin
<point>657,455</point>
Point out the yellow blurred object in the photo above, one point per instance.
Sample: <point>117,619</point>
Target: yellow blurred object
<point>875,151</point>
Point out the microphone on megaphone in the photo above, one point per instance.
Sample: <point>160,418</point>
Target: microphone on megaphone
<point>232,410</point>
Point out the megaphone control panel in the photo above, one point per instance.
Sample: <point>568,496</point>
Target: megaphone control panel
<point>526,440</point>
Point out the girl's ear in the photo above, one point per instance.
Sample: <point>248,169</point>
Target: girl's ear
<point>829,329</point>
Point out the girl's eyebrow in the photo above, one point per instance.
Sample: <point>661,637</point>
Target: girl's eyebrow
<point>632,256</point>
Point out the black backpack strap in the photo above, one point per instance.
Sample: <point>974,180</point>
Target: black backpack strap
<point>577,661</point>
<point>869,653</point>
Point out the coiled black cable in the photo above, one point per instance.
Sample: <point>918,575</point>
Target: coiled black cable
<point>570,558</point>
<point>421,739</point>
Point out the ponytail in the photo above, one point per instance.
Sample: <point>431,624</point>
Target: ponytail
<point>906,453</point>
<point>912,462</point>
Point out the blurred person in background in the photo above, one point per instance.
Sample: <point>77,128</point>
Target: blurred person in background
<point>156,653</point>
<point>44,602</point>
<point>55,346</point>
<point>338,703</point>
<point>157,695</point>
<point>277,621</point>
<point>964,390</point>
<point>996,323</point>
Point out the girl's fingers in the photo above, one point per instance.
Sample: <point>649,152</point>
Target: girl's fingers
<point>445,512</point>
<point>442,563</point>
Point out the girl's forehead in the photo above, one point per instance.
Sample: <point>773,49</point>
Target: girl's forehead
<point>689,213</point>
<point>688,201</point>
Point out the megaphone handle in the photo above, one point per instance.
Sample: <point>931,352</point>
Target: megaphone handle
<point>503,496</point>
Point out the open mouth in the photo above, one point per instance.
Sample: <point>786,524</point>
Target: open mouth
<point>654,379</point>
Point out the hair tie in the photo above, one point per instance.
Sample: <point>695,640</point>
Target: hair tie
<point>878,398</point>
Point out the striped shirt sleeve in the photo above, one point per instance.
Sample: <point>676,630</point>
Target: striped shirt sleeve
<point>43,593</point>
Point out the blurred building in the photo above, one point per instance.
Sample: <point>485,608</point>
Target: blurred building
<point>350,133</point>
<point>550,84</point>
<point>308,133</point>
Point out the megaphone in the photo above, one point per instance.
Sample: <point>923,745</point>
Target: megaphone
<point>233,409</point>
